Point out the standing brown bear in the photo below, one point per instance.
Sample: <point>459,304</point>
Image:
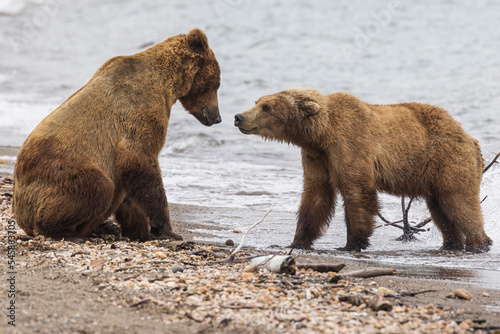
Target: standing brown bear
<point>97,154</point>
<point>357,149</point>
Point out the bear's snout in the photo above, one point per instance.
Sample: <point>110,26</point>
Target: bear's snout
<point>238,118</point>
<point>211,116</point>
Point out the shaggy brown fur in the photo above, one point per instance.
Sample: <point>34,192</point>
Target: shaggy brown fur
<point>97,154</point>
<point>357,149</point>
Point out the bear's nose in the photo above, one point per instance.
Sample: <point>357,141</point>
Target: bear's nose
<point>218,120</point>
<point>238,118</point>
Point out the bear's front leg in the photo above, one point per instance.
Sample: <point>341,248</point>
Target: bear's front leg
<point>140,177</point>
<point>360,205</point>
<point>318,201</point>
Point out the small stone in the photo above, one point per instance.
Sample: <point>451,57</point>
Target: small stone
<point>247,275</point>
<point>160,255</point>
<point>464,325</point>
<point>229,242</point>
<point>486,294</point>
<point>193,301</point>
<point>451,295</point>
<point>463,294</point>
<point>97,263</point>
<point>219,255</point>
<point>237,230</point>
<point>177,268</point>
<point>308,294</point>
<point>171,285</point>
<point>250,269</point>
<point>386,291</point>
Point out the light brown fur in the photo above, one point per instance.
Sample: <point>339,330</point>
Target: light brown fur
<point>97,154</point>
<point>356,149</point>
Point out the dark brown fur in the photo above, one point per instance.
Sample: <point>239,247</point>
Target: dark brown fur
<point>97,154</point>
<point>357,149</point>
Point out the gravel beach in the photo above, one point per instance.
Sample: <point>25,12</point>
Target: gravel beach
<point>106,284</point>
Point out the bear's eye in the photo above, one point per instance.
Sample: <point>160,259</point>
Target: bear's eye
<point>266,107</point>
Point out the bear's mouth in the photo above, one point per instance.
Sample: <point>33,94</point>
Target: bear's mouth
<point>247,131</point>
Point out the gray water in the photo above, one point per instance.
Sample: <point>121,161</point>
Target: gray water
<point>437,52</point>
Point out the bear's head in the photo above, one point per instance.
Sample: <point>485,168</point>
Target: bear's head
<point>294,116</point>
<point>201,99</point>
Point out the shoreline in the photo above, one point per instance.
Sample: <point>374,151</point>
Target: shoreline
<point>484,307</point>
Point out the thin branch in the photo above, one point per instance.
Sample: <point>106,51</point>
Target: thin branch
<point>232,257</point>
<point>494,161</point>
<point>388,222</point>
<point>423,222</point>
<point>233,254</point>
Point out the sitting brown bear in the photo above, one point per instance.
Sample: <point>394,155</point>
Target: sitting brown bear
<point>357,149</point>
<point>97,154</point>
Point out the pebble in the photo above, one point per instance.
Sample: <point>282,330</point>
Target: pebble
<point>226,295</point>
<point>463,294</point>
<point>237,230</point>
<point>220,255</point>
<point>160,255</point>
<point>250,269</point>
<point>247,275</point>
<point>229,242</point>
<point>177,268</point>
<point>193,301</point>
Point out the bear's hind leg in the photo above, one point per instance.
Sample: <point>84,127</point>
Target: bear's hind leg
<point>464,211</point>
<point>453,239</point>
<point>75,204</point>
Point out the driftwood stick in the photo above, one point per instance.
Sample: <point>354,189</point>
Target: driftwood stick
<point>413,294</point>
<point>240,259</point>
<point>233,254</point>
<point>232,257</point>
<point>371,272</point>
<point>140,302</point>
<point>321,267</point>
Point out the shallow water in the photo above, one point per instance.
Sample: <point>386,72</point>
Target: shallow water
<point>437,52</point>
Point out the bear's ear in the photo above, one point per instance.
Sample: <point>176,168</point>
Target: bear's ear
<point>197,41</point>
<point>309,107</point>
